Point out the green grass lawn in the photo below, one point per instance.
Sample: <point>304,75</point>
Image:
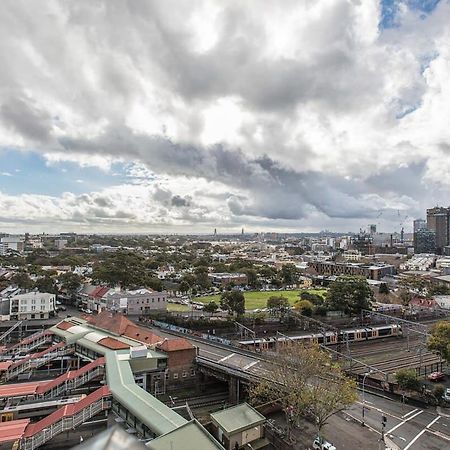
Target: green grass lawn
<point>172,307</point>
<point>254,300</point>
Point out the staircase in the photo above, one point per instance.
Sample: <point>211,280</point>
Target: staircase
<point>10,330</point>
<point>66,418</point>
<point>35,361</point>
<point>28,344</point>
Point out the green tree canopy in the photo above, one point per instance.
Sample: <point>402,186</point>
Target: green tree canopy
<point>407,379</point>
<point>46,284</point>
<point>277,301</point>
<point>233,302</point>
<point>439,340</point>
<point>384,289</point>
<point>350,294</point>
<point>22,280</point>
<point>70,282</point>
<point>211,307</point>
<point>304,307</point>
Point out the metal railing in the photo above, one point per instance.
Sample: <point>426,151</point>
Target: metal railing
<point>65,423</point>
<point>10,330</point>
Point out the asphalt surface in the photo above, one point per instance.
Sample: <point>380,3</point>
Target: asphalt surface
<point>407,427</point>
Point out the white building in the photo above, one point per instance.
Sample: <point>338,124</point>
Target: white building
<point>443,301</point>
<point>12,243</point>
<point>32,305</point>
<point>352,255</point>
<point>139,302</point>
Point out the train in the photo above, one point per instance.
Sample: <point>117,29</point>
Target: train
<point>328,337</point>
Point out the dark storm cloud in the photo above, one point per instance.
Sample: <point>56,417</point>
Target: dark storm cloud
<point>180,201</point>
<point>26,119</point>
<point>271,190</point>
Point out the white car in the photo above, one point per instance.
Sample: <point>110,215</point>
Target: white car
<point>447,395</point>
<point>322,444</point>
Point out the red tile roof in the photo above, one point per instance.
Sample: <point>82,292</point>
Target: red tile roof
<point>113,344</point>
<point>11,431</point>
<point>99,292</point>
<point>18,389</point>
<point>142,335</point>
<point>66,411</point>
<point>64,325</point>
<point>4,365</point>
<point>173,345</point>
<point>116,323</point>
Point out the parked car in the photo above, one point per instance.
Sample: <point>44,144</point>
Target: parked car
<point>436,376</point>
<point>447,395</point>
<point>321,444</point>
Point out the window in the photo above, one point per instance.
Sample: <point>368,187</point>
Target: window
<point>167,375</point>
<point>184,374</point>
<point>153,300</point>
<point>175,376</point>
<point>33,308</point>
<point>192,372</point>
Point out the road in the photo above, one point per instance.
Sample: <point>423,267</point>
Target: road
<point>407,427</point>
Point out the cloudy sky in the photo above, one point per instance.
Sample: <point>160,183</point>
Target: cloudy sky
<point>182,116</point>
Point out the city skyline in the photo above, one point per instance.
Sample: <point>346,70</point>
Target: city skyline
<point>174,117</point>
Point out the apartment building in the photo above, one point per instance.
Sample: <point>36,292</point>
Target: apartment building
<point>372,272</point>
<point>139,302</point>
<point>32,305</point>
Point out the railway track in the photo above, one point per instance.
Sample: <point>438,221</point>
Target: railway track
<point>201,401</point>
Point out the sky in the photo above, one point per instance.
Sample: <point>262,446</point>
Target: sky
<point>185,116</point>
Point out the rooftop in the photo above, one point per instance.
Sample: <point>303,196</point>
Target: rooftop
<point>190,436</point>
<point>238,418</point>
<point>172,345</point>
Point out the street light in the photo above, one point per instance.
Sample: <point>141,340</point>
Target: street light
<point>363,395</point>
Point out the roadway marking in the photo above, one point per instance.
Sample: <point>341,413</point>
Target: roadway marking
<point>379,410</point>
<point>403,422</point>
<point>411,412</point>
<point>439,434</point>
<point>423,431</point>
<point>227,357</point>
<point>250,365</point>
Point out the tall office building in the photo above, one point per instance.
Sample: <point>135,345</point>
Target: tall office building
<point>419,224</point>
<point>438,220</point>
<point>424,241</point>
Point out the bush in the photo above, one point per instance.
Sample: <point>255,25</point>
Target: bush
<point>438,391</point>
<point>304,307</point>
<point>407,379</point>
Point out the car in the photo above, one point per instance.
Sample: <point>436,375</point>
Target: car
<point>436,376</point>
<point>446,396</point>
<point>321,444</point>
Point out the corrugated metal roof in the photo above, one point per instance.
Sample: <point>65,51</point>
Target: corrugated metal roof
<point>66,411</point>
<point>190,436</point>
<point>17,389</point>
<point>237,418</point>
<point>172,345</point>
<point>12,431</point>
<point>148,409</point>
<point>113,344</point>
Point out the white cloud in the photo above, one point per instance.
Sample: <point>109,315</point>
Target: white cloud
<point>316,108</point>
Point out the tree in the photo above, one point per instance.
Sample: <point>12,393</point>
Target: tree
<point>438,289</point>
<point>438,392</point>
<point>405,297</point>
<point>70,282</point>
<point>415,284</point>
<point>22,280</point>
<point>304,307</point>
<point>439,341</point>
<point>276,301</point>
<point>350,294</point>
<point>305,381</point>
<point>184,287</point>
<point>252,277</point>
<point>384,289</point>
<point>202,279</point>
<point>407,379</point>
<point>211,307</point>
<point>46,284</point>
<point>233,302</point>
<point>289,274</point>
